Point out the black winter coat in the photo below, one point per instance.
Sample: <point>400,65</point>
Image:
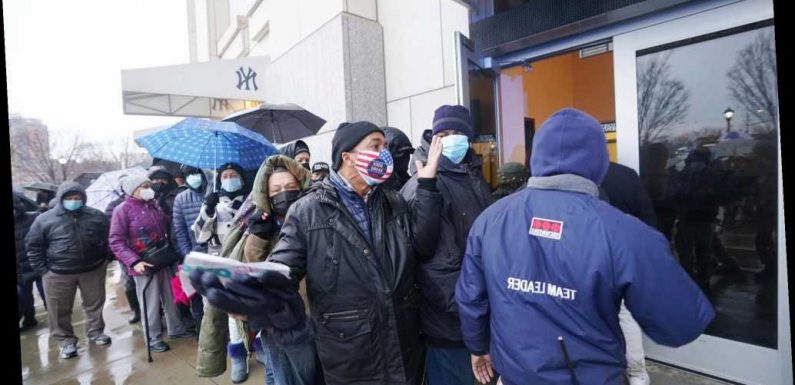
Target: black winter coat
<point>68,242</point>
<point>22,222</point>
<point>465,194</point>
<point>362,297</point>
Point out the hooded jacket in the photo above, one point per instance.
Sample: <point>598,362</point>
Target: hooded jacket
<point>290,150</point>
<point>68,242</point>
<point>554,261</point>
<point>401,149</point>
<point>166,197</point>
<point>242,246</point>
<point>465,194</point>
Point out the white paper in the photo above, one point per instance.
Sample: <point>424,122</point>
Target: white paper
<point>224,268</point>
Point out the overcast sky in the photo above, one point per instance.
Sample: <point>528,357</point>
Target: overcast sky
<point>64,59</point>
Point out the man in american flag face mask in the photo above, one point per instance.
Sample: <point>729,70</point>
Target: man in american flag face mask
<point>357,244</point>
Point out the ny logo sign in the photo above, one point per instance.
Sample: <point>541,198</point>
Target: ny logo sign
<point>243,78</point>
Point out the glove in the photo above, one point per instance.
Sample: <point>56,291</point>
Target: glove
<point>268,299</point>
<point>263,228</point>
<point>210,202</point>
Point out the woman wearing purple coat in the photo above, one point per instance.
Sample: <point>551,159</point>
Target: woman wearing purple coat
<point>138,225</point>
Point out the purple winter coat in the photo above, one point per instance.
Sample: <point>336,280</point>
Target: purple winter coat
<point>135,225</point>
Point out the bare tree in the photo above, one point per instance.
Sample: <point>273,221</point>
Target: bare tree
<point>753,79</point>
<point>39,156</point>
<point>125,154</point>
<point>662,100</point>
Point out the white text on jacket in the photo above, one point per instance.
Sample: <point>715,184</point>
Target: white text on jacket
<point>538,287</point>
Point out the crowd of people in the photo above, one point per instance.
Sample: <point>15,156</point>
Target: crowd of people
<point>406,267</point>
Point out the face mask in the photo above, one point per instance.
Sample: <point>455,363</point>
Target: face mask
<point>157,187</point>
<point>147,194</point>
<point>231,185</point>
<point>282,201</point>
<point>306,165</point>
<point>194,181</point>
<point>72,205</point>
<point>454,147</point>
<point>374,167</point>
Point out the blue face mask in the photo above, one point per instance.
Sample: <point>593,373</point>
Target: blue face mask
<point>194,181</point>
<point>72,205</point>
<point>231,185</point>
<point>454,147</point>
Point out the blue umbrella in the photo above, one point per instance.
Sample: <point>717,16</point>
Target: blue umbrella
<point>204,143</point>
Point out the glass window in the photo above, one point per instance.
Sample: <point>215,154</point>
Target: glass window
<point>708,124</point>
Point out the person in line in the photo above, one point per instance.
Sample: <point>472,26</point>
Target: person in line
<point>552,264</point>
<point>26,276</point>
<point>67,246</point>
<point>297,150</point>
<point>320,171</point>
<point>465,194</point>
<point>139,226</point>
<point>357,245</point>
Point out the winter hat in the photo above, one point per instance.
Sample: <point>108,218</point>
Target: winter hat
<point>300,147</point>
<point>570,142</point>
<point>347,136</point>
<point>132,182</point>
<point>160,171</point>
<point>320,167</point>
<point>453,118</point>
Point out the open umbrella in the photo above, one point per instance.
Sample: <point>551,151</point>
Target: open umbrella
<point>30,205</point>
<point>204,143</point>
<point>103,191</point>
<point>41,186</point>
<point>733,143</point>
<point>280,123</point>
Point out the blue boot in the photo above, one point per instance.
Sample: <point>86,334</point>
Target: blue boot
<point>239,357</point>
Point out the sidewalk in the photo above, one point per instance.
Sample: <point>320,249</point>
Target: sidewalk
<point>125,362</point>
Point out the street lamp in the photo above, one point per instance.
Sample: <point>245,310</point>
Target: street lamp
<point>728,114</point>
<point>63,161</point>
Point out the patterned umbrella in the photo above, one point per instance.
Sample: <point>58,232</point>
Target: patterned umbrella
<point>204,143</point>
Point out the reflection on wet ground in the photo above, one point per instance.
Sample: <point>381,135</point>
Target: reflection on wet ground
<point>125,360</point>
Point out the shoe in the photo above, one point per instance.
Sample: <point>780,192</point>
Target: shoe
<point>160,347</point>
<point>28,325</point>
<point>100,339</point>
<point>239,357</point>
<point>68,351</point>
<point>135,318</point>
<point>186,334</point>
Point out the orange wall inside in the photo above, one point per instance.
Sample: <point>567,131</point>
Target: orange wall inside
<point>568,81</point>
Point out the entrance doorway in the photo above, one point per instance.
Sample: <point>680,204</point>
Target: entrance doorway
<point>530,92</point>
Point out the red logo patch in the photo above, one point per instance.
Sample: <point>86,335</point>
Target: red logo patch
<point>546,228</point>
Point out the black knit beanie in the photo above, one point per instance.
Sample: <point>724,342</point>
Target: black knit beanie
<point>348,135</point>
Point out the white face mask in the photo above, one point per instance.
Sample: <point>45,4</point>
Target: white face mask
<point>147,194</point>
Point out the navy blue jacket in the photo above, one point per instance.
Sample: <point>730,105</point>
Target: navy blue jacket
<point>187,206</point>
<point>554,261</point>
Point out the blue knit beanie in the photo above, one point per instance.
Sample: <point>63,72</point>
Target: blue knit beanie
<point>453,118</point>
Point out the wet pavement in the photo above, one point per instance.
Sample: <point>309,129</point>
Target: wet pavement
<point>125,360</point>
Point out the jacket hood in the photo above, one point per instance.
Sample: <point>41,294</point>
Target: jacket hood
<point>470,162</point>
<point>260,190</point>
<point>397,141</point>
<point>292,149</point>
<point>570,142</point>
<point>67,188</point>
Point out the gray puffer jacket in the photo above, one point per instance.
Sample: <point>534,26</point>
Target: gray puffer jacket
<point>68,242</point>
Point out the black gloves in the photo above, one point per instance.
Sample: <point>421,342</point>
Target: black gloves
<point>268,299</point>
<point>263,228</point>
<point>210,202</point>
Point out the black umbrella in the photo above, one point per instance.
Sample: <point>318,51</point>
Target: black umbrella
<point>30,205</point>
<point>41,186</point>
<point>280,123</point>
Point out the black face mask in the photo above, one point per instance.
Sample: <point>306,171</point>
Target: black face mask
<point>306,165</point>
<point>402,168</point>
<point>158,187</point>
<point>282,201</point>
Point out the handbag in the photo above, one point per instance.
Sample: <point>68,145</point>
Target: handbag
<point>162,255</point>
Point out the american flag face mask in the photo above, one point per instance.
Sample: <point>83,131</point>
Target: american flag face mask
<point>374,167</point>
